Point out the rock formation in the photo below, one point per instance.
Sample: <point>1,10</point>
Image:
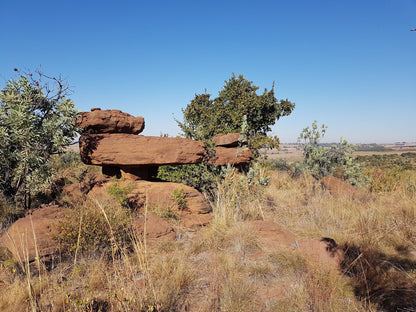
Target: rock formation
<point>33,235</point>
<point>109,139</point>
<point>121,149</point>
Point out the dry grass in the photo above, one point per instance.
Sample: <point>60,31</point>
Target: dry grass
<point>217,267</point>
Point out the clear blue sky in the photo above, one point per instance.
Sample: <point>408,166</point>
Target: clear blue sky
<point>349,64</point>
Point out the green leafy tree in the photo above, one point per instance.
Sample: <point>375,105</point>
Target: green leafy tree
<point>321,160</point>
<point>205,117</point>
<point>35,122</point>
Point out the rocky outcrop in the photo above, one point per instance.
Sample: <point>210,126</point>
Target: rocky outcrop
<point>324,251</point>
<point>33,235</point>
<point>121,149</point>
<point>154,228</point>
<point>109,140</point>
<point>159,197</point>
<point>110,121</point>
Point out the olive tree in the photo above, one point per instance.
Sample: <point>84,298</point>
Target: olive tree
<point>35,122</point>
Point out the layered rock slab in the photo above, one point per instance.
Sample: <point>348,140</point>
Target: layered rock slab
<point>229,140</point>
<point>119,149</point>
<point>110,121</point>
<point>233,156</point>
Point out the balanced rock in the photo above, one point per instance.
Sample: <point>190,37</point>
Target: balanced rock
<point>33,235</point>
<point>229,140</point>
<point>110,121</point>
<point>232,156</point>
<point>121,149</point>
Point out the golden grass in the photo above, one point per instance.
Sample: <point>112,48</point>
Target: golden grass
<point>215,268</point>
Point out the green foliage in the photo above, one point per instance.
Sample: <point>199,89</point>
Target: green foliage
<point>406,161</point>
<point>119,192</point>
<point>35,122</point>
<point>255,176</point>
<point>179,197</point>
<point>205,117</point>
<point>202,176</point>
<point>320,161</point>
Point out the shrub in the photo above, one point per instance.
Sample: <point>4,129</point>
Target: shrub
<point>320,160</point>
<point>119,192</point>
<point>179,198</point>
<point>202,176</point>
<point>95,227</point>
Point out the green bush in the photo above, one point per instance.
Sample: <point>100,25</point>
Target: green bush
<point>203,177</point>
<point>320,160</point>
<point>119,192</point>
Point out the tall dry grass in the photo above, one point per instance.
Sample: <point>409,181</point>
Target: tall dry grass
<point>377,230</point>
<point>223,266</point>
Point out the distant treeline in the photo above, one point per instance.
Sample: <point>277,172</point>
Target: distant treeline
<point>372,148</point>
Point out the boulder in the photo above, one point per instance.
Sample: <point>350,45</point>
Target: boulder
<point>33,235</point>
<point>130,150</point>
<point>192,221</point>
<point>159,196</point>
<point>154,228</point>
<point>325,251</point>
<point>338,187</point>
<point>233,156</point>
<point>228,140</point>
<point>110,121</point>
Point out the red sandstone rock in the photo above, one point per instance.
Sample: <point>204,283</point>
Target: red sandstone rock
<point>110,121</point>
<point>192,221</point>
<point>158,196</point>
<point>232,156</point>
<point>324,251</point>
<point>121,149</point>
<point>338,187</point>
<point>228,140</point>
<point>154,228</point>
<point>35,231</point>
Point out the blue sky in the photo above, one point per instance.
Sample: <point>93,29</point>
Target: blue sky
<point>348,64</point>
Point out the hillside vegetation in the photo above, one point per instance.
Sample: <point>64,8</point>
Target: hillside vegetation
<point>226,266</point>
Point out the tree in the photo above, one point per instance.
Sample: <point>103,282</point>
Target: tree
<point>35,122</point>
<point>205,117</point>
